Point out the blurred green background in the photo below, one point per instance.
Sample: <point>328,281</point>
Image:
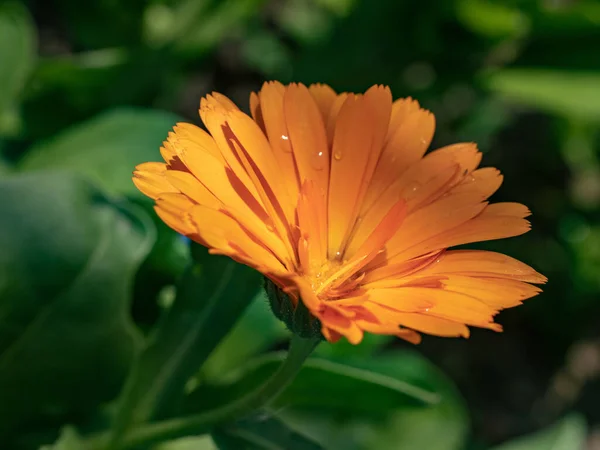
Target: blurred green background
<point>90,89</point>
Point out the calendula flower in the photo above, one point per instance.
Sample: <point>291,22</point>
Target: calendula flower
<point>334,199</point>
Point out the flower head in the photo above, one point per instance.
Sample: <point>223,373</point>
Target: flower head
<point>332,197</point>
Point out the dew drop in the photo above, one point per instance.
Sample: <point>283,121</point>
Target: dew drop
<point>411,190</point>
<point>317,161</point>
<point>284,137</point>
<point>426,310</point>
<point>337,155</point>
<point>423,141</point>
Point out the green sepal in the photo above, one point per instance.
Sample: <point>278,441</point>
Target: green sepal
<point>297,318</point>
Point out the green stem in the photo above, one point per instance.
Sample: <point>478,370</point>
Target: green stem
<point>198,424</point>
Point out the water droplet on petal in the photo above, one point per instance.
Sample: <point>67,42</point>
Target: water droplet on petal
<point>337,155</point>
<point>270,226</point>
<point>411,189</point>
<point>284,137</point>
<point>317,161</point>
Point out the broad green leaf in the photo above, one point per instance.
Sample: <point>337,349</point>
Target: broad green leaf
<point>493,19</point>
<point>321,385</point>
<point>441,426</point>
<point>107,148</point>
<point>569,94</point>
<point>212,295</point>
<point>262,434</point>
<point>69,89</point>
<point>188,443</point>
<point>17,51</point>
<point>257,330</point>
<point>69,439</point>
<point>568,434</point>
<point>66,268</point>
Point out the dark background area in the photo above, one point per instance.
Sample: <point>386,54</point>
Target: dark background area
<point>519,77</point>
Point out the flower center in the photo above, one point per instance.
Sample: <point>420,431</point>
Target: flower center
<point>324,274</point>
<point>333,279</point>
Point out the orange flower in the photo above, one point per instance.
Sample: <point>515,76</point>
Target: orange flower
<point>332,197</point>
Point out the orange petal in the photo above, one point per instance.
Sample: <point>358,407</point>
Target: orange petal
<point>486,226</point>
<point>309,143</point>
<point>174,210</point>
<point>442,303</point>
<point>433,325</point>
<point>189,185</point>
<point>256,111</point>
<point>227,188</point>
<point>375,243</point>
<point>324,97</point>
<point>310,228</point>
<point>191,144</point>
<point>331,318</point>
<point>220,231</point>
<point>508,209</point>
<point>214,116</point>
<point>354,132</point>
<point>397,301</point>
<point>480,263</point>
<point>406,144</point>
<point>150,179</point>
<point>271,106</point>
<point>383,270</point>
<point>497,293</point>
<point>486,181</point>
<point>334,111</point>
<point>446,214</point>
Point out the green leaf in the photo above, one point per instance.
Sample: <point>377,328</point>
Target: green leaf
<point>262,434</point>
<point>69,439</point>
<point>568,434</point>
<point>66,268</point>
<point>492,19</point>
<point>320,385</point>
<point>210,299</point>
<point>257,330</point>
<point>17,52</point>
<point>107,148</point>
<point>188,443</point>
<point>571,94</point>
<point>398,426</point>
<point>443,426</point>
